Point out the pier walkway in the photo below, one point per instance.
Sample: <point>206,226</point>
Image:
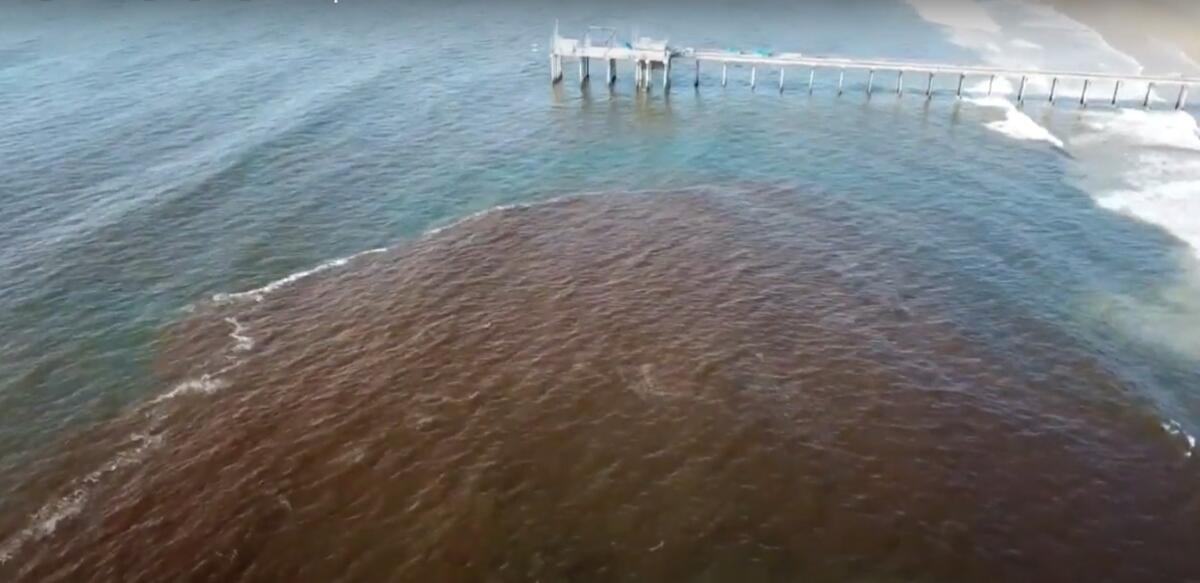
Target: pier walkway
<point>648,56</point>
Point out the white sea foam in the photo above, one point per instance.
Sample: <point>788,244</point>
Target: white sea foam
<point>1144,164</point>
<point>258,294</point>
<point>477,215</point>
<point>242,341</point>
<point>205,385</point>
<point>1170,129</point>
<point>1173,428</point>
<point>47,519</point>
<point>1141,163</point>
<point>1174,206</point>
<point>1016,124</point>
<point>973,25</point>
<point>1156,176</point>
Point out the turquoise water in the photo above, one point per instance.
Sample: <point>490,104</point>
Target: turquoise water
<point>155,154</point>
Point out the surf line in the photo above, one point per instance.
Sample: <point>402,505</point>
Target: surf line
<point>46,520</point>
<point>257,294</point>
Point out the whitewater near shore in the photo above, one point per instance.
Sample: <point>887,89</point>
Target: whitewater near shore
<point>1142,164</point>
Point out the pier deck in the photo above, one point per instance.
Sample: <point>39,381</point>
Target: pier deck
<point>646,56</point>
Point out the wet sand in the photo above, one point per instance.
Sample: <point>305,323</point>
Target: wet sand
<point>1148,30</point>
<point>628,387</point>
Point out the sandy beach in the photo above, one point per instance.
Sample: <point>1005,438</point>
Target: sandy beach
<point>1160,34</point>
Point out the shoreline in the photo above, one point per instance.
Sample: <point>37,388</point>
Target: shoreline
<point>1157,33</point>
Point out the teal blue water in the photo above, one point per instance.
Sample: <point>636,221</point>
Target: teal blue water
<point>155,154</point>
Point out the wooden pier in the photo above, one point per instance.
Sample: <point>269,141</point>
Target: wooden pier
<point>649,58</point>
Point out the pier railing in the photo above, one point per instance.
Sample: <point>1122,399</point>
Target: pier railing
<point>647,56</point>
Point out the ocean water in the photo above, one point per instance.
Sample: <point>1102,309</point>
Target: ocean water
<point>261,314</point>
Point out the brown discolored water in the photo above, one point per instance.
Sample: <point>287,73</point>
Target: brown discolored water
<point>674,386</point>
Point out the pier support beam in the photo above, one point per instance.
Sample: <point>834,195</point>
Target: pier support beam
<point>645,56</point>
